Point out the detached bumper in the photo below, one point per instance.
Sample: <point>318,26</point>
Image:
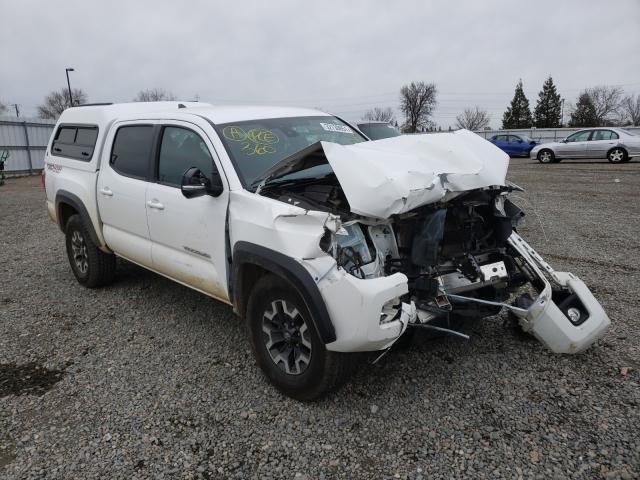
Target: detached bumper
<point>544,320</point>
<point>552,327</point>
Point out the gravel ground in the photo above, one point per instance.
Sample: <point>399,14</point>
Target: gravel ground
<point>147,378</point>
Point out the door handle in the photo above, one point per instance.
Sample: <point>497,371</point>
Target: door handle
<point>155,204</point>
<point>106,191</point>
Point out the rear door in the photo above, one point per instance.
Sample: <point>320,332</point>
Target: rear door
<point>601,142</point>
<point>121,191</point>
<point>576,145</point>
<point>187,234</point>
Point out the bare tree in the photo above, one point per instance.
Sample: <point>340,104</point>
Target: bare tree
<point>378,114</point>
<point>58,101</point>
<point>417,102</point>
<point>3,107</point>
<point>473,119</point>
<point>154,95</point>
<point>631,109</point>
<point>606,101</point>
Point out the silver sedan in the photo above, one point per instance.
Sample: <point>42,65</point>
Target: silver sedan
<point>615,144</point>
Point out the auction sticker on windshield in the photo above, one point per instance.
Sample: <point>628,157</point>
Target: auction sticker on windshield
<point>332,127</point>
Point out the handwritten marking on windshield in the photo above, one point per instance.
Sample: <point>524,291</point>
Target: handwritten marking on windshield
<point>257,141</point>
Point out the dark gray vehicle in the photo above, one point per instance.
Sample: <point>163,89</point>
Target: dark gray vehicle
<point>615,144</point>
<point>378,130</point>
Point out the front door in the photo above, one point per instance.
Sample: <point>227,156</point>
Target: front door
<point>121,191</point>
<point>575,145</point>
<point>187,234</point>
<point>515,145</point>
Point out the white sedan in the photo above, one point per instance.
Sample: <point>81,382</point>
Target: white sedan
<point>615,144</point>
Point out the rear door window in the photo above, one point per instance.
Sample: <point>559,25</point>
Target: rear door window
<point>131,152</point>
<point>604,135</point>
<point>77,142</point>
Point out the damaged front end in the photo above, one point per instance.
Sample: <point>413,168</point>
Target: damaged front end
<point>397,255</point>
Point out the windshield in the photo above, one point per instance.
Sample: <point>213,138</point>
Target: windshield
<point>256,145</point>
<point>378,131</point>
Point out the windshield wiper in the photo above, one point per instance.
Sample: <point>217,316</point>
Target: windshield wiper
<point>291,181</point>
<point>304,159</point>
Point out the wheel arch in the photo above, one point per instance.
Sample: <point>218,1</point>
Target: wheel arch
<point>68,204</point>
<point>251,261</point>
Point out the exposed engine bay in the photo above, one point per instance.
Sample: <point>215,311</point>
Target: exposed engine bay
<point>442,248</point>
<point>460,255</point>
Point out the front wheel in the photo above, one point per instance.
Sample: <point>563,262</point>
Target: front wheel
<point>617,155</point>
<point>546,156</point>
<point>91,266</point>
<point>286,344</point>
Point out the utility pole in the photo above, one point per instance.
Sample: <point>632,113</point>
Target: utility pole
<point>562,113</point>
<point>15,105</point>
<point>67,70</point>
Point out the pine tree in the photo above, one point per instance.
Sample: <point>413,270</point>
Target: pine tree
<point>518,114</point>
<point>548,109</point>
<point>584,115</point>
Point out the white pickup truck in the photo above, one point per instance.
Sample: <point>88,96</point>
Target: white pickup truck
<point>325,242</point>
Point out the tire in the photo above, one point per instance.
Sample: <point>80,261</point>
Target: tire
<point>617,155</point>
<point>546,156</point>
<point>91,266</point>
<point>277,315</point>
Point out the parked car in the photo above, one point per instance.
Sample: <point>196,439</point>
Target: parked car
<point>615,144</point>
<point>378,130</point>
<point>324,242</point>
<point>514,145</point>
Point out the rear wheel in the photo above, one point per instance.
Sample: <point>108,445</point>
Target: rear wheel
<point>617,155</point>
<point>546,156</point>
<point>91,266</point>
<point>286,344</point>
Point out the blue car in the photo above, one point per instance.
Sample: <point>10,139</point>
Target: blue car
<point>514,145</point>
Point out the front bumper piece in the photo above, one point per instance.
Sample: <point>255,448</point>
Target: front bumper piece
<point>545,321</point>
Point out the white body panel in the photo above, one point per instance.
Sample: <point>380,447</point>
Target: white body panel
<point>123,213</point>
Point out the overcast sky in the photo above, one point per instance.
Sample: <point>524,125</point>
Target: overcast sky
<point>345,57</point>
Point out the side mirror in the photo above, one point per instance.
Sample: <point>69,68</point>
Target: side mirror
<point>196,184</point>
<point>564,140</point>
<point>520,141</point>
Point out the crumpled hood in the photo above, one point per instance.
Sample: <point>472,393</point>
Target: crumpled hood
<point>396,175</point>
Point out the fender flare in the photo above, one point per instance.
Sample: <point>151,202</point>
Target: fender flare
<point>63,196</point>
<point>288,269</point>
